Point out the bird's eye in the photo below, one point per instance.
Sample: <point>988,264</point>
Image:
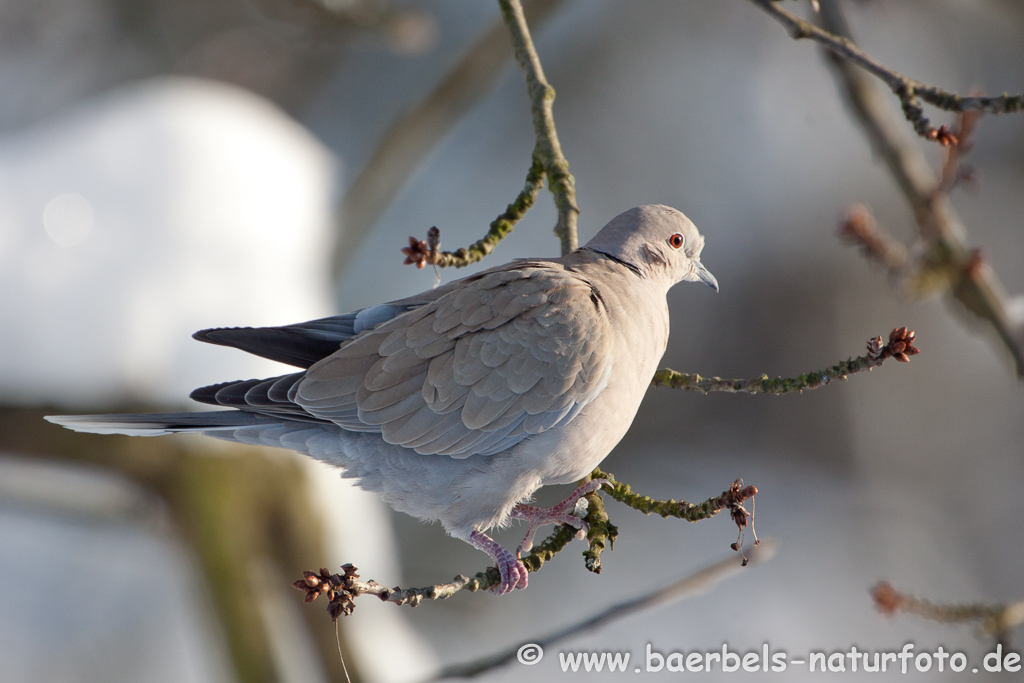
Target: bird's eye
<point>677,241</point>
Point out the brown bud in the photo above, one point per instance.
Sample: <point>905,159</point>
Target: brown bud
<point>943,136</point>
<point>901,357</point>
<point>887,600</point>
<point>416,252</point>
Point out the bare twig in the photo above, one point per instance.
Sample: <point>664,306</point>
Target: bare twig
<point>953,172</point>
<point>860,228</point>
<point>995,620</point>
<point>947,260</point>
<point>694,584</point>
<point>909,91</point>
<point>548,149</point>
<point>411,137</point>
<point>900,346</point>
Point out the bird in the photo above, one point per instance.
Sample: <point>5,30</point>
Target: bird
<point>457,404</point>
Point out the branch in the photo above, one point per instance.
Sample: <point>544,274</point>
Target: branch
<point>548,149</point>
<point>427,252</point>
<point>342,589</point>
<point>909,91</point>
<point>548,161</point>
<point>694,584</point>
<point>731,498</point>
<point>996,620</point>
<point>411,137</point>
<point>601,533</point>
<point>860,228</point>
<point>948,260</point>
<point>900,347</point>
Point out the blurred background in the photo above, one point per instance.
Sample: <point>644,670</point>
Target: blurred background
<point>171,166</point>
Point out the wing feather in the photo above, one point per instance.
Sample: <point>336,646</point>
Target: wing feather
<point>506,354</point>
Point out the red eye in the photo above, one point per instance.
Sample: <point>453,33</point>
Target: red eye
<point>676,241</point>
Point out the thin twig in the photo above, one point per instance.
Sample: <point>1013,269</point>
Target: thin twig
<point>424,252</point>
<point>947,260</point>
<point>548,148</point>
<point>414,134</point>
<point>861,228</point>
<point>734,496</point>
<point>909,91</point>
<point>900,346</point>
<point>341,590</point>
<point>694,584</point>
<point>548,161</point>
<point>996,620</point>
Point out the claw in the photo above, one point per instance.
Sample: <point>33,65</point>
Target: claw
<point>569,511</point>
<point>513,571</point>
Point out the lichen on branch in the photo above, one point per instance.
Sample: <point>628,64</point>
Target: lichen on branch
<point>342,589</point>
<point>900,346</point>
<point>548,161</point>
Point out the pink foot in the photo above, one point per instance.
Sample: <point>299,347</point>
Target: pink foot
<point>562,513</point>
<point>513,571</point>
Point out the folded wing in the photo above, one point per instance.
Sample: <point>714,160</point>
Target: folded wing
<point>509,353</point>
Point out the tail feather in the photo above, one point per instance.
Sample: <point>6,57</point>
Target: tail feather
<point>159,424</point>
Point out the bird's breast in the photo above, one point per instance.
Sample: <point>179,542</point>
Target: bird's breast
<point>637,343</point>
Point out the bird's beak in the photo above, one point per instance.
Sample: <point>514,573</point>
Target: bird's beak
<point>702,274</point>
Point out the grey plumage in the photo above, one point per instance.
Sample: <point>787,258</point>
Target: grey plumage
<point>457,404</point>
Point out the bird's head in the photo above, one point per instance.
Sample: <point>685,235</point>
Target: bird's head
<point>655,241</point>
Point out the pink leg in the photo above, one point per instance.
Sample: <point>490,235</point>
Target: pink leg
<point>513,571</point>
<point>556,514</point>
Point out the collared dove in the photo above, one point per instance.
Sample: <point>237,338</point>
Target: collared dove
<point>457,404</point>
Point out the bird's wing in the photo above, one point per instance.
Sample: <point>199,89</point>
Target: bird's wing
<point>303,344</point>
<point>508,353</point>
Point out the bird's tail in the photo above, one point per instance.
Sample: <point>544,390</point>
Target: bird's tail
<point>159,424</point>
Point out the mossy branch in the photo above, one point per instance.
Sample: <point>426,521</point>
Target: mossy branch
<point>900,346</point>
<point>341,590</point>
<point>548,149</point>
<point>427,252</point>
<point>735,495</point>
<point>548,162</point>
